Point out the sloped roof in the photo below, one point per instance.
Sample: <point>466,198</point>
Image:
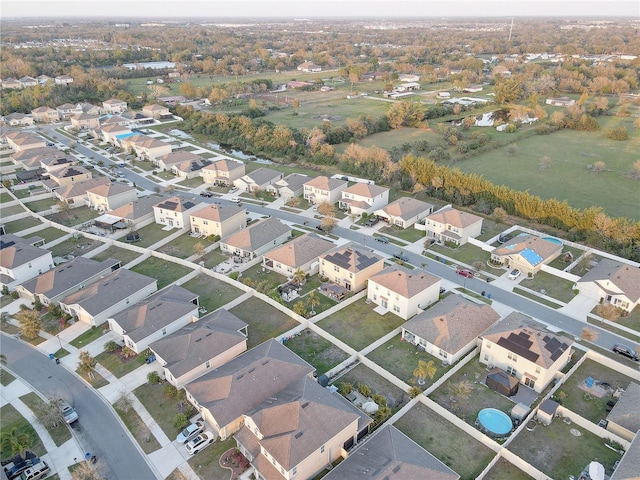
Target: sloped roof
<point>452,323</point>
<point>528,339</point>
<point>110,189</point>
<point>70,171</point>
<point>352,258</point>
<point>626,411</point>
<point>179,156</point>
<point>217,213</point>
<point>534,250</point>
<point>365,190</point>
<point>263,175</point>
<point>389,454</point>
<point>156,312</point>
<point>224,165</point>
<point>175,204</point>
<point>629,466</point>
<point>16,253</point>
<point>406,208</point>
<point>200,341</point>
<point>300,250</point>
<point>67,275</point>
<point>406,283</point>
<point>622,275</point>
<point>456,218</point>
<point>80,188</point>
<point>326,183</point>
<point>258,235</point>
<point>137,209</point>
<point>293,182</point>
<point>245,382</point>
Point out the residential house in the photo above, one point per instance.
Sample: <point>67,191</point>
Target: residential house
<point>404,212</point>
<point>102,299</point>
<point>84,121</point>
<point>68,110</point>
<point>451,225</point>
<point>218,220</point>
<point>190,168</point>
<point>19,120</point>
<point>174,212</point>
<point>136,212</point>
<point>324,190</point>
<point>63,80</point>
<point>300,431</point>
<point>91,109</point>
<point>28,82</point>
<point>309,67</point>
<point>44,79</point>
<point>527,252</point>
<point>628,468</point>
<point>114,106</point>
<point>613,282</point>
<point>75,194</point>
<point>258,180</point>
<point>224,395</point>
<point>350,266</point>
<point>402,291</point>
<point>473,88</point>
<point>288,187</point>
<point>408,87</point>
<point>158,315</point>
<point>392,456</point>
<point>66,278</point>
<point>363,198</point>
<point>524,349</point>
<point>21,141</point>
<point>200,346</point>
<point>624,418</point>
<point>156,111</point>
<point>70,174</point>
<point>135,119</point>
<point>168,160</point>
<point>22,260</point>
<point>222,171</point>
<point>109,196</point>
<point>45,114</point>
<point>55,161</point>
<point>11,83</point>
<point>409,77</point>
<point>109,119</point>
<point>110,133</point>
<point>145,146</point>
<point>560,101</point>
<point>256,239</point>
<point>449,329</point>
<point>33,158</point>
<point>300,253</point>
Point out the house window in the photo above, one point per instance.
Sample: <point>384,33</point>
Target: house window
<point>164,331</point>
<point>537,369</point>
<point>443,354</point>
<point>322,449</point>
<point>512,371</point>
<point>29,265</point>
<point>294,472</point>
<point>396,308</point>
<point>512,356</point>
<point>208,364</point>
<point>336,268</point>
<point>529,382</point>
<point>486,357</point>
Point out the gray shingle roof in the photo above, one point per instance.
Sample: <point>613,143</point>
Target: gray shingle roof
<point>622,275</point>
<point>300,250</point>
<point>626,412</point>
<point>629,466</point>
<point>15,252</point>
<point>258,235</point>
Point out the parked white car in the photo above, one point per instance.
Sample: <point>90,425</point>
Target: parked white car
<point>69,413</point>
<point>513,274</point>
<point>201,441</point>
<point>190,432</point>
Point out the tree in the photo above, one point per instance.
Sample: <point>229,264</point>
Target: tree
<point>313,301</point>
<point>124,403</point>
<point>299,276</point>
<point>608,311</point>
<point>461,390</point>
<point>598,167</point>
<point>63,207</point>
<point>345,388</point>
<point>508,91</point>
<point>328,223</point>
<point>198,249</point>
<point>50,413</point>
<point>364,389</point>
<point>30,323</point>
<point>414,391</point>
<point>88,471</point>
<point>589,335</point>
<point>296,105</point>
<point>16,441</point>
<point>87,364</point>
<point>545,163</point>
<point>327,209</point>
<point>424,370</point>
<point>299,309</point>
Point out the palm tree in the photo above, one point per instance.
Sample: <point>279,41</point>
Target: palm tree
<point>313,301</point>
<point>299,276</point>
<point>16,441</point>
<point>424,370</point>
<point>87,364</point>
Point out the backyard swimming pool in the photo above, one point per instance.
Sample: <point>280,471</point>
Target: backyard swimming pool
<point>494,422</point>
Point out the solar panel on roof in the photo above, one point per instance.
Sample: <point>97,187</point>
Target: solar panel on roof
<point>342,259</point>
<point>188,205</point>
<point>169,205</point>
<point>518,349</point>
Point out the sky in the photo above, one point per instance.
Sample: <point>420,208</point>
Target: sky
<point>316,8</point>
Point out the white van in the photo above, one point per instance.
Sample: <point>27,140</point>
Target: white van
<point>235,199</point>
<point>36,472</point>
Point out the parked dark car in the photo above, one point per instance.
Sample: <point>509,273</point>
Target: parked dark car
<point>13,470</point>
<point>382,239</point>
<point>206,194</point>
<point>371,222</point>
<point>626,351</point>
<point>401,256</point>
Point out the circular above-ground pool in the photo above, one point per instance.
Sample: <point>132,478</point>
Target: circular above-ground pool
<point>494,422</point>
<point>553,240</point>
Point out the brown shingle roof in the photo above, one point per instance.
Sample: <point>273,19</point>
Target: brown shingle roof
<point>299,251</point>
<point>406,208</point>
<point>178,157</point>
<point>406,283</point>
<point>326,183</point>
<point>217,213</point>
<point>365,190</point>
<point>110,189</point>
<point>622,275</point>
<point>80,188</point>
<point>456,218</point>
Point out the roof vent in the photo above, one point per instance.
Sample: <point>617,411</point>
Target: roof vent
<point>305,404</point>
<point>396,469</point>
<point>251,370</point>
<point>240,376</point>
<point>298,435</point>
<point>198,339</point>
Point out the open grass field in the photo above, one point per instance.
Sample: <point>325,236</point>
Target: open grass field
<point>460,452</point>
<point>163,271</point>
<point>559,454</point>
<point>213,293</point>
<point>11,419</point>
<point>317,351</point>
<point>264,321</point>
<point>568,178</point>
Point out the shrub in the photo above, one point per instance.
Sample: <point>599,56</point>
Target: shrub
<point>14,295</point>
<point>153,378</point>
<point>5,290</point>
<point>617,133</point>
<point>181,421</point>
<point>345,388</point>
<point>111,346</point>
<point>234,275</point>
<point>128,353</point>
<point>414,392</point>
<point>170,390</point>
<point>364,389</point>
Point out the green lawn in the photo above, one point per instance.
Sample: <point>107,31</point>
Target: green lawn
<point>41,205</point>
<point>466,253</point>
<point>163,271</point>
<point>401,359</point>
<point>564,260</point>
<point>269,323</point>
<point>61,433</point>
<point>570,151</point>
<point>213,258</point>
<point>162,407</point>
<point>124,255</point>
<point>119,366</point>
<point>192,182</point>
<point>552,286</point>
<point>75,246</point>
<point>410,234</point>
<point>559,454</point>
<point>75,216</point>
<point>257,275</point>
<point>87,337</point>
<point>317,351</point>
<point>151,234</point>
<point>22,224</point>
<point>213,293</point>
<point>632,320</point>
<point>22,193</point>
<point>505,470</point>
<point>50,233</point>
<point>358,325</point>
<point>183,246</point>
<point>12,210</point>
<point>589,406</point>
<point>537,298</point>
<point>5,197</point>
<point>139,430</point>
<point>206,464</point>
<point>452,446</point>
<point>364,375</point>
<point>11,419</point>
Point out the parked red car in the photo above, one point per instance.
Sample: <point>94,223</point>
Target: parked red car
<point>465,273</point>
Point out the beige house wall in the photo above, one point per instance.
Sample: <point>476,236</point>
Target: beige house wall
<point>350,280</point>
<point>63,182</point>
<point>223,229</point>
<point>402,306</point>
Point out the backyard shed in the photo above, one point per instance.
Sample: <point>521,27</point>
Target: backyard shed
<point>520,411</point>
<point>547,411</point>
<point>502,383</point>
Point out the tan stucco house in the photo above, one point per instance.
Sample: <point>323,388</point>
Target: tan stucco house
<point>256,239</point>
<point>527,253</point>
<point>257,180</point>
<point>174,212</point>
<point>324,190</point>
<point>220,220</point>
<point>300,253</point>
<point>404,212</point>
<point>451,225</point>
<point>110,196</point>
<point>350,266</point>
<point>288,187</point>
<point>114,106</point>
<point>613,282</point>
<point>222,172</point>
<point>363,198</point>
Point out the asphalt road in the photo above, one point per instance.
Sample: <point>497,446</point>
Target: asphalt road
<point>97,428</point>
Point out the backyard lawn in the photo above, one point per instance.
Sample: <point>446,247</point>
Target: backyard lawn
<point>358,325</point>
<point>360,374</point>
<point>213,293</point>
<point>12,210</point>
<point>151,234</point>
<point>163,271</point>
<point>75,216</point>
<point>124,255</point>
<point>317,351</point>
<point>183,246</point>
<point>50,233</point>
<point>550,285</point>
<point>22,224</point>
<point>11,419</point>
<point>257,275</point>
<point>41,205</point>
<point>401,359</point>
<point>213,258</point>
<point>264,321</point>
<point>505,470</point>
<point>558,453</point>
<point>452,446</point>
<point>75,246</point>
